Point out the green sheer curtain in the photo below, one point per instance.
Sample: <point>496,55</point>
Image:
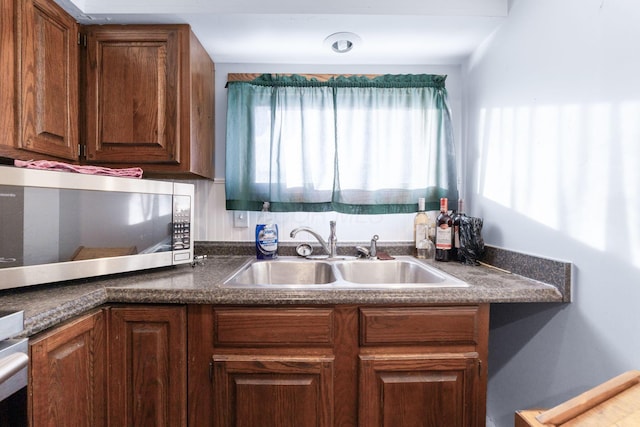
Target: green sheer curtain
<point>354,144</point>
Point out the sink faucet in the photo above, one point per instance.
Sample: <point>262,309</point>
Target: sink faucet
<point>331,247</point>
<point>371,251</point>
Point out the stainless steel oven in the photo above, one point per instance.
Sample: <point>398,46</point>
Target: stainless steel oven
<point>14,366</point>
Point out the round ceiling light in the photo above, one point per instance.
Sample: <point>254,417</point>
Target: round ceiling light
<point>342,42</point>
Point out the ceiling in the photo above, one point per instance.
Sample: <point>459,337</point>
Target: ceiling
<point>407,32</point>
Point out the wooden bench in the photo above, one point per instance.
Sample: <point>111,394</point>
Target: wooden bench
<point>613,403</point>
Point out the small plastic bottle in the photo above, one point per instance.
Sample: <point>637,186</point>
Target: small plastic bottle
<point>266,235</point>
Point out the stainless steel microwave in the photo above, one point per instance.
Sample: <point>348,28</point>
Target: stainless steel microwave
<point>58,226</point>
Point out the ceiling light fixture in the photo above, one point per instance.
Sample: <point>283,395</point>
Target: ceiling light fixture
<point>342,42</point>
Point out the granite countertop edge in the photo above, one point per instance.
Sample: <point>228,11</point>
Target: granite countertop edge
<point>46,306</point>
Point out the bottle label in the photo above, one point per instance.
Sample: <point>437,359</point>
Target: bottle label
<point>266,241</point>
<point>444,204</point>
<point>421,234</point>
<point>443,237</point>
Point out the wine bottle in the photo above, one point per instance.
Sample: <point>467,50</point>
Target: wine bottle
<point>444,232</point>
<point>420,230</point>
<point>457,254</point>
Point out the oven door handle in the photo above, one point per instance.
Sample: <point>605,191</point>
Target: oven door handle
<point>12,364</point>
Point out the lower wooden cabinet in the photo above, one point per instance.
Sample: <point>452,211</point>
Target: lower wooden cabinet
<point>273,391</point>
<point>275,366</point>
<point>418,390</point>
<point>119,366</point>
<point>423,366</point>
<point>67,374</point>
<point>338,366</point>
<point>147,369</point>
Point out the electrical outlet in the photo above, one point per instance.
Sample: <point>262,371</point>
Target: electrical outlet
<point>241,219</point>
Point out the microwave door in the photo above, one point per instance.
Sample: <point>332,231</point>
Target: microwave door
<point>11,226</point>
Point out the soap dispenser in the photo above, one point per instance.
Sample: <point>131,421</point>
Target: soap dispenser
<point>266,235</point>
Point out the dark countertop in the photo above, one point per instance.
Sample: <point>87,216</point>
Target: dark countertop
<point>48,305</point>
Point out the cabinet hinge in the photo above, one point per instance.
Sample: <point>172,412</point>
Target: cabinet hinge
<point>81,151</point>
<point>480,368</point>
<point>211,370</point>
<point>82,40</point>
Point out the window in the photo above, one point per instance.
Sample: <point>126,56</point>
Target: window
<point>356,145</point>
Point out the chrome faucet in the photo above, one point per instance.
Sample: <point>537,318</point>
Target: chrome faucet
<point>371,251</point>
<point>333,240</point>
<point>331,247</point>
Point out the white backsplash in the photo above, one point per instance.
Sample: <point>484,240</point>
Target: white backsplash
<point>214,223</point>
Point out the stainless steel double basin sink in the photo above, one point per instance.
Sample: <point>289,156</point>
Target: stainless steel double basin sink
<point>293,272</point>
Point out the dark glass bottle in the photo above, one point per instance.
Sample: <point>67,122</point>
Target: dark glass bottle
<point>444,232</point>
<point>457,254</point>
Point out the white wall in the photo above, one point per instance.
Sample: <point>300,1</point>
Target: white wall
<point>214,223</point>
<point>552,147</point>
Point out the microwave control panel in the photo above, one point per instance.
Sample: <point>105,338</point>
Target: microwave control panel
<point>181,222</point>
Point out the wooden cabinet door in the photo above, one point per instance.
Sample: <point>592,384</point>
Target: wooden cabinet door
<point>67,373</point>
<point>49,80</point>
<point>132,96</point>
<point>429,390</point>
<point>8,50</point>
<point>273,391</point>
<point>147,380</point>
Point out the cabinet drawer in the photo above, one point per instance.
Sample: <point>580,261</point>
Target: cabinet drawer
<point>273,326</point>
<point>418,325</point>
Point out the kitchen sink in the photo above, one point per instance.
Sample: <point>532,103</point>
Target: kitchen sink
<point>284,272</point>
<point>402,272</point>
<point>391,271</point>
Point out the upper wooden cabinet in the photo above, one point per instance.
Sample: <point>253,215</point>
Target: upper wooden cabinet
<point>38,81</point>
<point>49,73</point>
<point>8,98</point>
<point>146,92</point>
<point>149,99</point>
